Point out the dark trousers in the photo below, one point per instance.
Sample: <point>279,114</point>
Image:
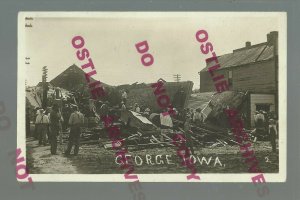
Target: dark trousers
<point>190,145</point>
<point>28,133</point>
<point>273,142</point>
<point>189,141</point>
<point>42,131</point>
<point>36,134</point>
<point>74,139</point>
<point>49,134</point>
<point>53,139</point>
<point>124,100</point>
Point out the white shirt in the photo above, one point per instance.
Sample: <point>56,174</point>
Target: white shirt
<point>76,118</point>
<point>137,109</point>
<point>166,120</point>
<point>123,107</point>
<point>124,95</point>
<point>42,119</point>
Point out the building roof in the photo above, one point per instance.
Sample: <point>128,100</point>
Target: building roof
<point>73,78</point>
<point>72,75</point>
<point>245,55</point>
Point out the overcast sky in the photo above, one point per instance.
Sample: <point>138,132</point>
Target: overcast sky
<point>111,41</point>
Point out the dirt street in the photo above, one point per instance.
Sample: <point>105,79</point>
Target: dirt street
<point>93,159</point>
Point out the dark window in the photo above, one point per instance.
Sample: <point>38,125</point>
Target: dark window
<point>264,107</point>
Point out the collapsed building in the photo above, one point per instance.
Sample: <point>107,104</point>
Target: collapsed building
<point>251,70</point>
<point>249,91</point>
<point>70,87</point>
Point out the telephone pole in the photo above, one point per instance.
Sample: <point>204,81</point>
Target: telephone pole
<point>177,77</point>
<point>45,87</point>
<point>199,80</point>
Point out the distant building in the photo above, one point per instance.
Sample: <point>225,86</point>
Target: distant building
<point>73,78</point>
<point>253,68</point>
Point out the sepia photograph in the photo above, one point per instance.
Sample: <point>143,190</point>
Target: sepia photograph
<point>152,96</point>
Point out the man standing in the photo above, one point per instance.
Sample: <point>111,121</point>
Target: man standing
<point>76,121</point>
<point>124,97</point>
<point>260,124</point>
<point>188,134</point>
<point>273,134</point>
<point>65,114</point>
<point>42,122</point>
<point>166,123</point>
<point>54,128</point>
<point>123,112</point>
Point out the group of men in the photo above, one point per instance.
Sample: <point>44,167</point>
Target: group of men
<point>49,125</point>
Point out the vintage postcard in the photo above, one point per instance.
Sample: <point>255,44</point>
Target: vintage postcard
<point>152,96</point>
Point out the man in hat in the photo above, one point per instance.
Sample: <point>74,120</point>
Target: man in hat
<point>41,123</point>
<point>76,121</point>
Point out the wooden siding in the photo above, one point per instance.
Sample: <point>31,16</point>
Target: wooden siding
<point>256,77</point>
<point>206,83</point>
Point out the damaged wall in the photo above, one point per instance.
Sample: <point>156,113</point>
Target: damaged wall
<point>143,94</point>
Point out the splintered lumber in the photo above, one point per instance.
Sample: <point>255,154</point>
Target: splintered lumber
<point>196,140</point>
<point>156,140</point>
<point>206,131</point>
<point>167,137</point>
<point>222,141</point>
<point>217,144</point>
<point>192,136</point>
<point>162,144</point>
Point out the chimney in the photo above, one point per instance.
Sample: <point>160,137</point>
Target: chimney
<point>272,39</point>
<point>248,44</point>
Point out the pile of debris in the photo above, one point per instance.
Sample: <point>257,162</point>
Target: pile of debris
<point>214,109</point>
<point>138,131</point>
<point>179,93</point>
